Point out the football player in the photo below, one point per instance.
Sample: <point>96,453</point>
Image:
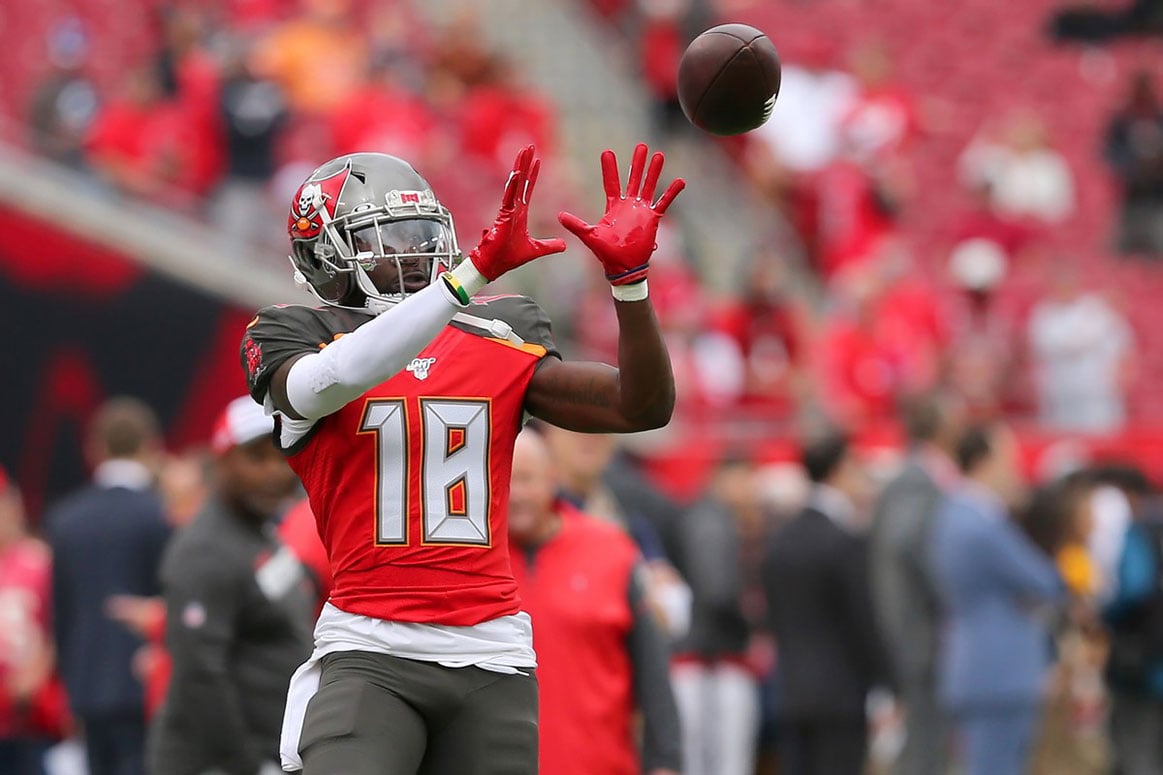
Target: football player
<point>398,403</point>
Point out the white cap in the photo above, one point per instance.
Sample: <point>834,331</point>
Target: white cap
<point>241,422</point>
<point>977,264</point>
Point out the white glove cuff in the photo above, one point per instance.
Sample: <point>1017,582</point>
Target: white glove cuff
<point>633,292</point>
<point>469,277</point>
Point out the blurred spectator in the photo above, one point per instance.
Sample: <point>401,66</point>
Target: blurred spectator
<point>718,551</point>
<point>318,57</point>
<point>186,70</point>
<point>32,701</point>
<point>1082,350</point>
<point>995,584</point>
<point>856,211</point>
<point>253,113</point>
<point>1134,150</point>
<point>385,116</point>
<point>1120,492</point>
<point>863,370</point>
<point>580,461</point>
<point>1059,520</point>
<point>829,651</point>
<point>766,326</point>
<point>501,112</point>
<point>983,222</point>
<point>65,102</point>
<point>804,129</point>
<point>904,592</point>
<point>118,143</point>
<point>107,540</point>
<point>1025,176</point>
<point>1135,666</point>
<point>1103,22</point>
<point>182,485</point>
<point>661,42</point>
<point>151,147</point>
<point>883,118</point>
<point>601,655</point>
<point>982,355</point>
<point>911,318</point>
<point>239,612</point>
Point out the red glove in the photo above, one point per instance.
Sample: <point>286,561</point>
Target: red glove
<point>507,245</point>
<point>624,239</point>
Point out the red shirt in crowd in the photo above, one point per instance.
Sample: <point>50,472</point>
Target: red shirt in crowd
<point>850,219</point>
<point>496,118</point>
<point>576,589</point>
<point>25,581</point>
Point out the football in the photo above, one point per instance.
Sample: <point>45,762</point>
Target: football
<point>728,79</point>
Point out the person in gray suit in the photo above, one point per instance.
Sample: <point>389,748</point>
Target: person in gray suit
<point>904,595</point>
<point>999,592</point>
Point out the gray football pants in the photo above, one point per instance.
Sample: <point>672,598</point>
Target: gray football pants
<point>381,715</point>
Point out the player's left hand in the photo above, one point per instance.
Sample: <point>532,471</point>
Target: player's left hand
<point>624,239</point>
<point>507,245</point>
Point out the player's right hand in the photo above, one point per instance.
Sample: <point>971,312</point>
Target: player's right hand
<point>507,245</point>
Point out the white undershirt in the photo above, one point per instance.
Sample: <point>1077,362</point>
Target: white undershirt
<point>122,472</point>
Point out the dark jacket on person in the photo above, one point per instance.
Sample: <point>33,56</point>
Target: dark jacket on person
<point>1135,615</point>
<point>708,555</point>
<point>239,621</point>
<point>105,541</point>
<point>816,580</point>
<point>904,593</point>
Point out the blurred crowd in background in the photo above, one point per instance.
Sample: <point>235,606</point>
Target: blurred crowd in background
<point>958,259</point>
<point>1004,286</point>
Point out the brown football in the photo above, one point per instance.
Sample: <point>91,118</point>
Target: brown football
<point>728,79</point>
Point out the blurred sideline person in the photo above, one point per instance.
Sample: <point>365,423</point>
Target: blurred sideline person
<point>32,713</point>
<point>714,683</point>
<point>904,593</point>
<point>1135,620</point>
<point>239,613</point>
<point>107,540</point>
<point>398,402</point>
<point>994,584</point>
<point>601,655</point>
<point>830,656</point>
<point>581,461</point>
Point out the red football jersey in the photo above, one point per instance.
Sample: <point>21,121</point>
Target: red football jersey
<point>410,482</point>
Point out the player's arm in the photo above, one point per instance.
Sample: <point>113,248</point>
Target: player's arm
<point>311,385</point>
<point>595,397</point>
<point>598,398</point>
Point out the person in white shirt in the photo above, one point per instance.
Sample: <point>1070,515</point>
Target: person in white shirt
<point>1027,178</point>
<point>1081,348</point>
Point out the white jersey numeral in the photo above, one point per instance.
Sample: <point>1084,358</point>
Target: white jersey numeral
<point>454,470</point>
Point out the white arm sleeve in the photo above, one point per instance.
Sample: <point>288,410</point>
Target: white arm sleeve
<point>321,383</point>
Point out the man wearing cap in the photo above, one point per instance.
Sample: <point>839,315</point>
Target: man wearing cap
<point>239,613</point>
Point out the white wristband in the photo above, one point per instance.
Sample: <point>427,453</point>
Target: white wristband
<point>469,277</point>
<point>633,292</point>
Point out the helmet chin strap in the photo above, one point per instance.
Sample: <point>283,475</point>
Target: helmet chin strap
<point>363,281</point>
